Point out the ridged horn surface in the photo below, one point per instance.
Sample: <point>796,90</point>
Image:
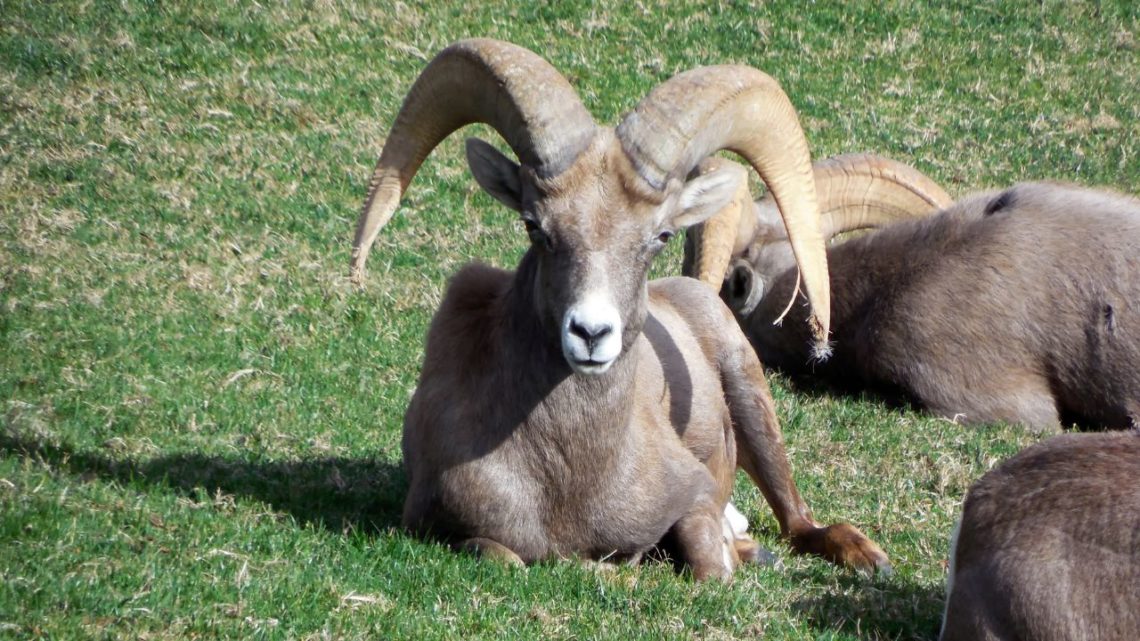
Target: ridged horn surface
<point>859,191</point>
<point>510,88</point>
<point>745,111</point>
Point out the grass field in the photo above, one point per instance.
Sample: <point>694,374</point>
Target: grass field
<point>201,417</point>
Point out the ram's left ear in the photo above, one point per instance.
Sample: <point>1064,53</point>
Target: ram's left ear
<point>706,194</point>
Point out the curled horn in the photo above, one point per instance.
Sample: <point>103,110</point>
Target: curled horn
<point>709,246</point>
<point>855,191</point>
<point>858,191</point>
<point>745,111</point>
<point>523,97</point>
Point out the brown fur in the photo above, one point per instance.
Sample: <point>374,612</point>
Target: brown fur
<point>1015,306</point>
<point>1049,545</point>
<point>512,454</point>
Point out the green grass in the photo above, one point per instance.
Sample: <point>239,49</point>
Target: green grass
<point>201,418</point>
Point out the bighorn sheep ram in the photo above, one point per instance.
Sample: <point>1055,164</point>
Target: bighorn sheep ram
<point>1048,547</point>
<point>1017,305</point>
<point>570,408</point>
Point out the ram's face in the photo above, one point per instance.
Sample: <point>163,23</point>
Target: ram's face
<point>594,230</point>
<point>594,238</point>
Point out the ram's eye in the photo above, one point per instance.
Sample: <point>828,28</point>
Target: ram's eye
<point>536,234</point>
<point>665,236</point>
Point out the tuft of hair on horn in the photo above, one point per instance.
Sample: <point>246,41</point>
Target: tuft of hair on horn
<point>821,351</point>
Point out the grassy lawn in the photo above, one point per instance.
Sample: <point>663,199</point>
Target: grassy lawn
<point>200,418</point>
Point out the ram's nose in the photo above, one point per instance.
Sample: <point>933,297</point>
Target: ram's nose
<point>590,333</point>
<point>591,336</point>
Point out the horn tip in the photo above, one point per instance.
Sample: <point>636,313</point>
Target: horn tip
<point>820,351</point>
<point>356,266</point>
<point>821,346</point>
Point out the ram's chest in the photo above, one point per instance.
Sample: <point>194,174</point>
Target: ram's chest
<point>558,511</point>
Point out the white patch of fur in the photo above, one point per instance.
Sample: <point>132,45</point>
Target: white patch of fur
<point>726,550</point>
<point>733,527</point>
<point>736,520</point>
<point>726,530</point>
<point>593,311</point>
<point>727,544</point>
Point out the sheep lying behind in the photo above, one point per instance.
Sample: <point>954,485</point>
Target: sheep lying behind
<point>1017,305</point>
<point>1048,547</point>
<point>570,408</point>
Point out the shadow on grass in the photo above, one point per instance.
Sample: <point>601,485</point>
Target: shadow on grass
<point>895,398</point>
<point>334,493</point>
<point>821,387</point>
<point>894,608</point>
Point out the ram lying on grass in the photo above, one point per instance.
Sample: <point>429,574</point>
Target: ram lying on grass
<point>1016,305</point>
<point>570,408</point>
<point>1048,547</point>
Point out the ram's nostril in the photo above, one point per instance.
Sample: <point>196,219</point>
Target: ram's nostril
<point>590,333</point>
<point>578,330</point>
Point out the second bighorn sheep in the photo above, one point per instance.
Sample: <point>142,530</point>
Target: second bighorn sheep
<point>570,408</point>
<point>1017,305</point>
<point>1048,547</point>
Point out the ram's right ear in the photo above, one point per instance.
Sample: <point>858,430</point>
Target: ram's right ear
<point>743,288</point>
<point>495,173</point>
<point>709,193</point>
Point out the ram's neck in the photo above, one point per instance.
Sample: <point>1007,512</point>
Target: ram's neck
<point>863,274</point>
<point>552,402</point>
<point>868,271</point>
<point>778,327</point>
<point>494,380</point>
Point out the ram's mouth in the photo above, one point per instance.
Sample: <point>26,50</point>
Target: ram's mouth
<point>590,367</point>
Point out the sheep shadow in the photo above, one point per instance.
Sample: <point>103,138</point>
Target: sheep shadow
<point>897,399</point>
<point>892,608</point>
<point>336,493</point>
<point>824,387</point>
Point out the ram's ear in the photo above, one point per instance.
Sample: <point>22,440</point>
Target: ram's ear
<point>743,288</point>
<point>705,195</point>
<point>495,173</point>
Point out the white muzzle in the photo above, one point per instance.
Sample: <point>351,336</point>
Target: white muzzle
<point>591,336</point>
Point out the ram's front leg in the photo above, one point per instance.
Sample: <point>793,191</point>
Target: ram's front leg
<point>761,453</point>
<point>701,542</point>
<point>490,549</point>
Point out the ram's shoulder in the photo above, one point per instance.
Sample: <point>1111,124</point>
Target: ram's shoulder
<point>475,288</point>
<point>688,292</point>
<point>692,305</point>
<point>469,315</point>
